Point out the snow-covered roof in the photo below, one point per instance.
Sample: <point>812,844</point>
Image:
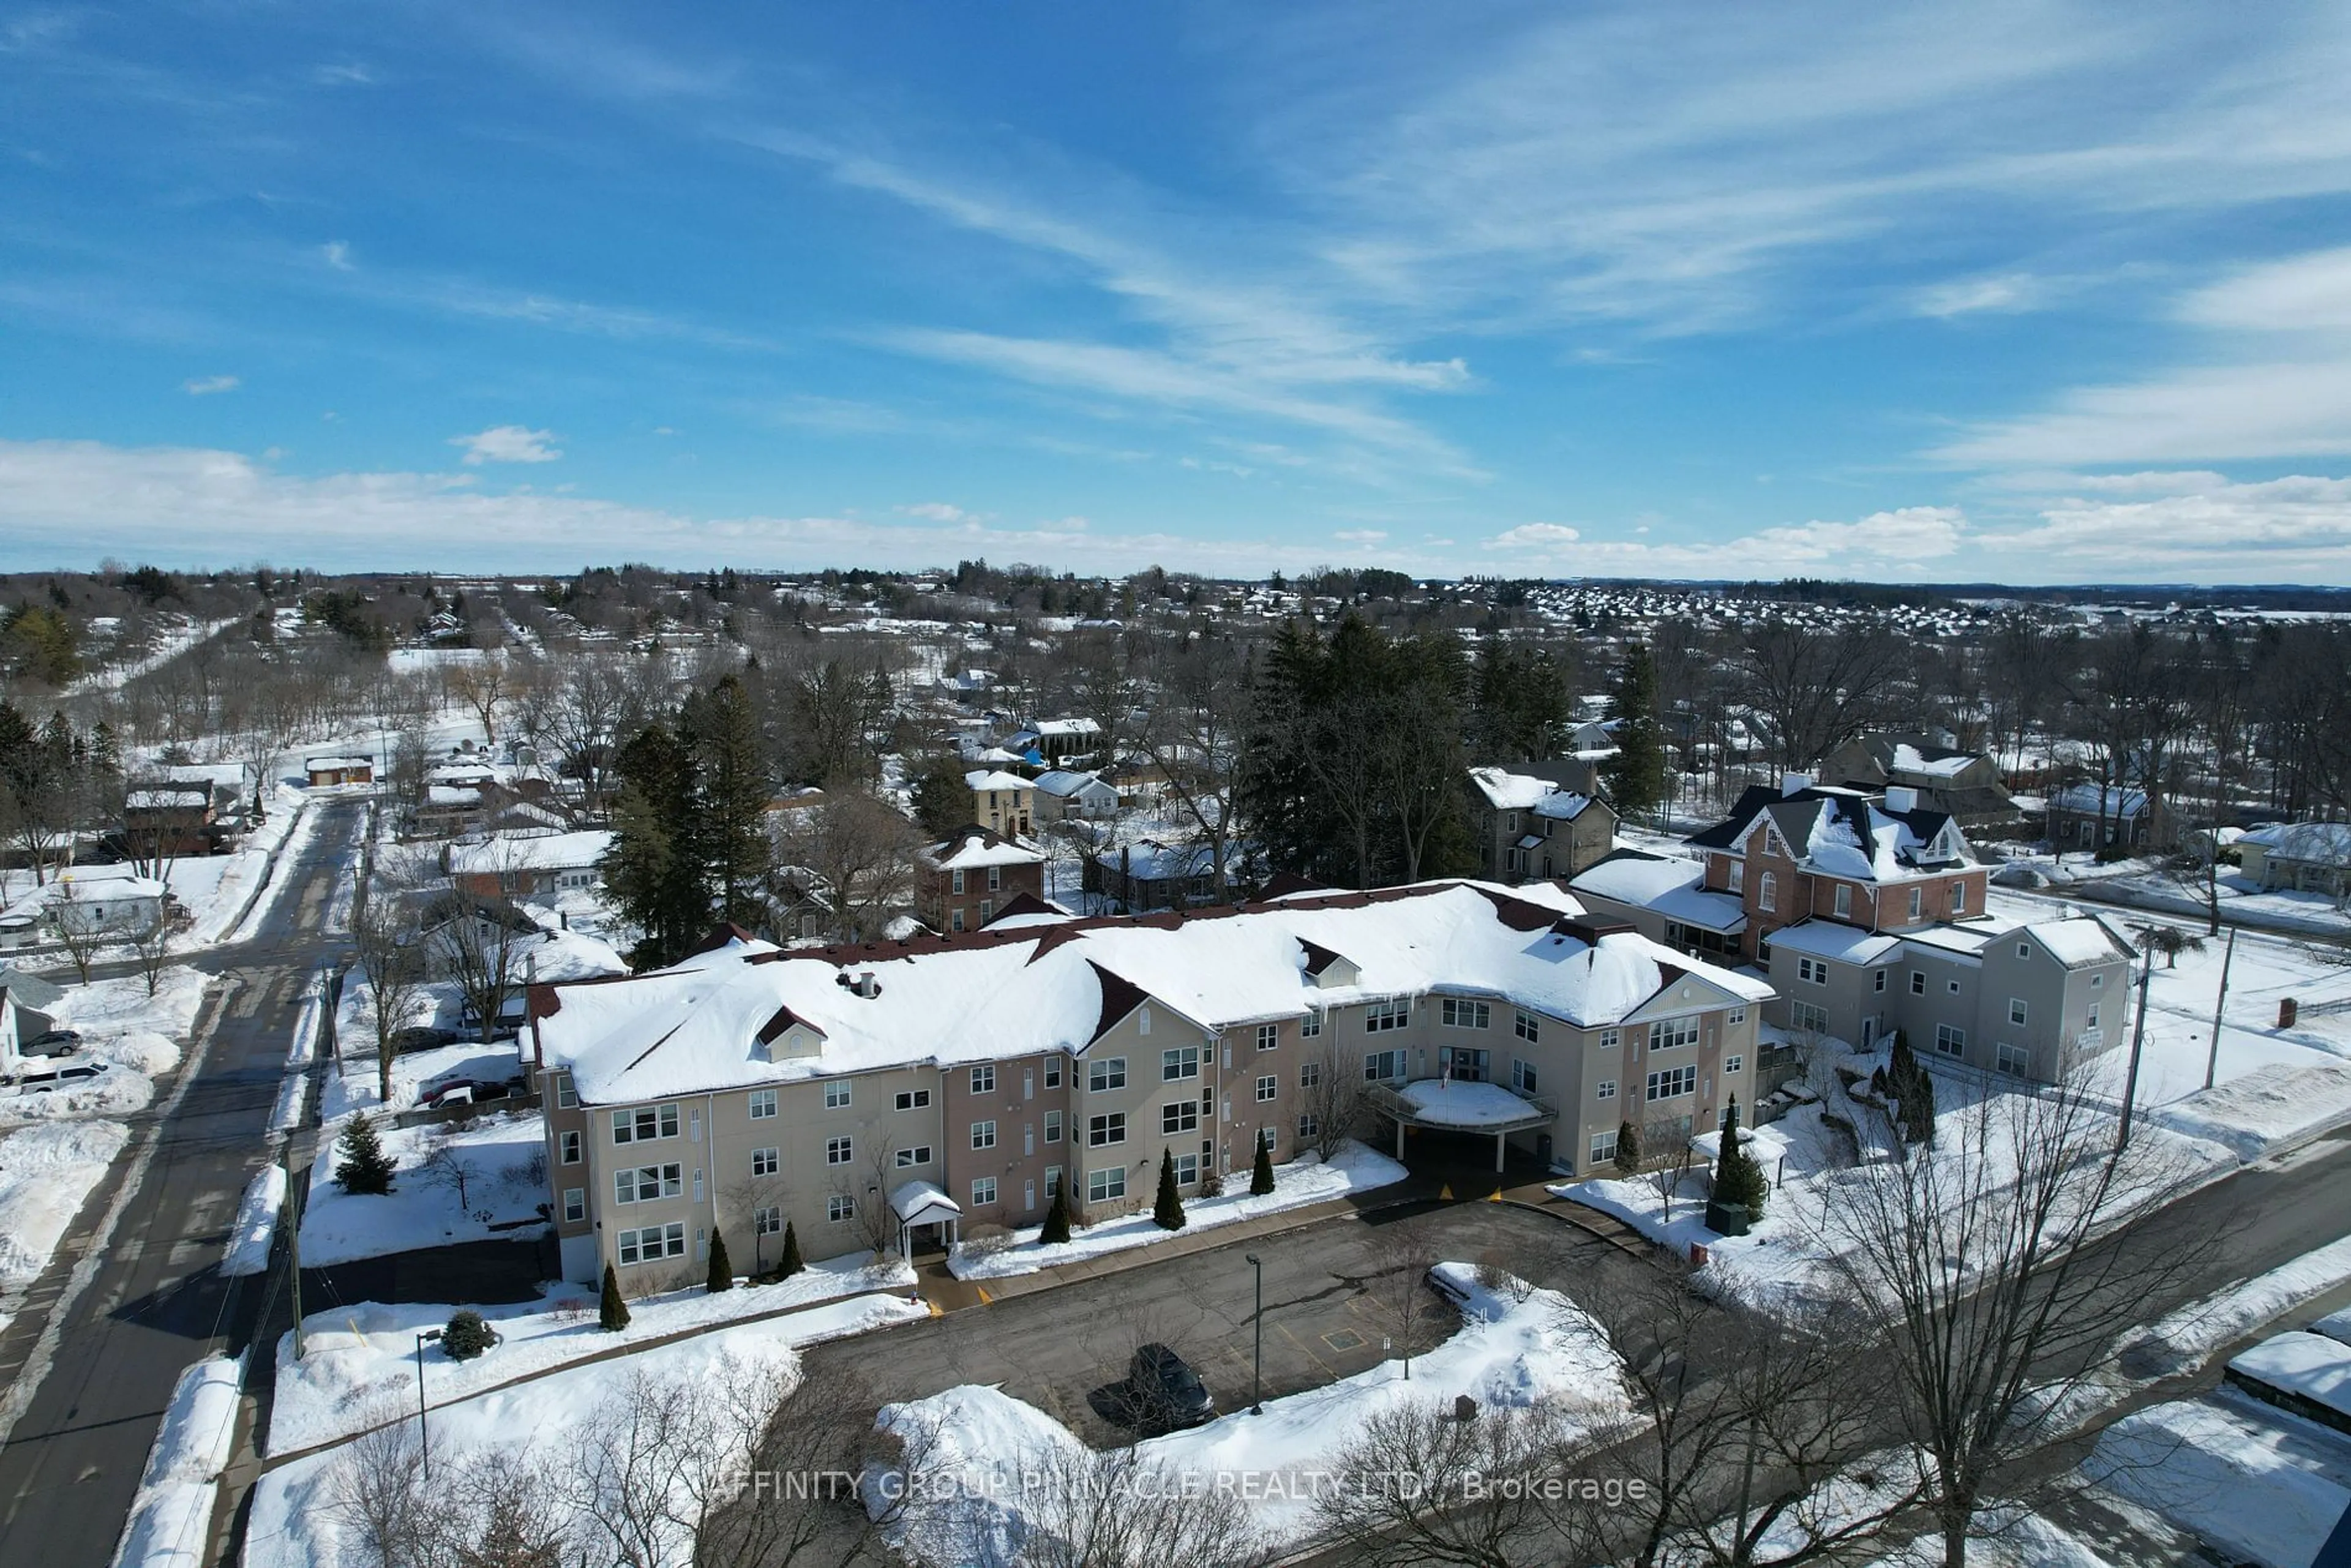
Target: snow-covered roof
<point>169,797</point>
<point>1960,941</point>
<point>2099,800</point>
<point>451,795</point>
<point>2309,1364</point>
<point>1508,791</point>
<point>531,852</point>
<point>923,1203</point>
<point>1843,833</point>
<point>727,1019</point>
<point>994,778</point>
<point>1445,1104</point>
<point>974,849</point>
<point>1053,727</point>
<point>1909,758</point>
<point>323,764</point>
<point>2074,943</point>
<point>1827,939</point>
<point>1670,887</point>
<point>1064,781</point>
<point>2324,843</point>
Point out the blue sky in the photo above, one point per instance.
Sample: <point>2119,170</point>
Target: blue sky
<point>2026,292</point>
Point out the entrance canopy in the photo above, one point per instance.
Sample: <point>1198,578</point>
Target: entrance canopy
<point>921,1202</point>
<point>1453,1105</point>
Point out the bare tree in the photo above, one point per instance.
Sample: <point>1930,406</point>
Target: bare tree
<point>75,921</point>
<point>866,1184</point>
<point>1997,1269</point>
<point>480,685</point>
<point>394,969</point>
<point>1333,1091</point>
<point>1397,1284</point>
<point>801,1503</point>
<point>477,943</point>
<point>150,946</point>
<point>378,1499</point>
<point>445,1164</point>
<point>1817,688</point>
<point>861,850</point>
<point>1081,1508</point>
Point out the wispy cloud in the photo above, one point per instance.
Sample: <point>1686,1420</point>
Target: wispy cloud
<point>2005,295</point>
<point>1904,542</point>
<point>508,443</point>
<point>206,386</point>
<point>337,255</point>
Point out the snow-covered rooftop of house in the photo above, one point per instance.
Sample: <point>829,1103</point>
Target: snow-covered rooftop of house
<point>2074,943</point>
<point>976,848</point>
<point>1562,805</point>
<point>2316,1367</point>
<point>1457,1105</point>
<point>1064,781</point>
<point>1669,886</point>
<point>994,778</point>
<point>1854,838</point>
<point>1908,758</point>
<point>1056,727</point>
<point>1827,939</point>
<point>1966,941</point>
<point>321,764</point>
<point>2096,800</point>
<point>2329,844</point>
<point>699,1026</point>
<point>234,775</point>
<point>531,852</point>
<point>452,795</point>
<point>169,797</point>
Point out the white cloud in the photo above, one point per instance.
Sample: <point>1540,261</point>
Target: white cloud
<point>1889,543</point>
<point>2192,525</point>
<point>938,512</point>
<point>206,386</point>
<point>2260,408</point>
<point>1535,536</point>
<point>508,443</point>
<point>2309,293</point>
<point>1975,296</point>
<point>337,254</point>
<point>1361,536</point>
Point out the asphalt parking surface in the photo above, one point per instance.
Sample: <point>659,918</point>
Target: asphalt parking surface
<point>1328,1294</point>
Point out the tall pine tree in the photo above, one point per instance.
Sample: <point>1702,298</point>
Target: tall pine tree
<point>732,790</point>
<point>1636,776</point>
<point>652,871</point>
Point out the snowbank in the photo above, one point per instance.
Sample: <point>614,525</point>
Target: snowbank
<point>502,1198</point>
<point>257,1222</point>
<point>1306,1180</point>
<point>45,1175</point>
<point>171,1517</point>
<point>2268,1110</point>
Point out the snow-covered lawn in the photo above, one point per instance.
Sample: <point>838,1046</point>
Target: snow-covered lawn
<point>296,1524</point>
<point>350,1084</point>
<point>47,1172</point>
<point>1508,1353</point>
<point>2256,1481</point>
<point>358,1359</point>
<point>1304,1181</point>
<point>502,1152</point>
<point>171,1514</point>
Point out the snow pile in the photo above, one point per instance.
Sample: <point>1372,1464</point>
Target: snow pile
<point>45,1174</point>
<point>1306,1180</point>
<point>2185,1337</point>
<point>2266,1111</point>
<point>359,1358</point>
<point>1510,1351</point>
<point>2267,1490</point>
<point>171,1517</point>
<point>257,1222</point>
<point>502,1194</point>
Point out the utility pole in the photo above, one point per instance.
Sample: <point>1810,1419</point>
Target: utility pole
<point>2212,1057</point>
<point>2138,1034</point>
<point>293,1205</point>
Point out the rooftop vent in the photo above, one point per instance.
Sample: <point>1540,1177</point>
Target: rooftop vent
<point>867,985</point>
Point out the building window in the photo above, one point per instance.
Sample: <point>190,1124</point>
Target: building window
<point>1052,1072</point>
<point>2024,949</point>
<point>1269,1086</point>
<point>1767,892</point>
<point>1381,1066</point>
<point>1917,904</point>
<point>645,1184</point>
<point>955,919</point>
<point>1607,1039</point>
<point>1529,1027</point>
<point>2097,982</point>
<point>1106,1184</point>
<point>2016,1011</point>
<point>996,878</point>
<point>836,1093</point>
<point>766,1161</point>
<point>568,1144</point>
<point>1308,1126</point>
<point>1673,1082</point>
<point>652,1243</point>
<point>1604,1147</point>
<point>1877,980</point>
<point>1522,1076</point>
<point>1052,1126</point>
<point>2015,1060</point>
<point>1813,971</point>
<point>1103,1131</point>
<point>841,1207</point>
<point>912,1099</point>
<point>1143,1019</point>
<point>1735,877</point>
<point>1736,1017</point>
<point>1952,986</point>
<point>840,1151</point>
<point>1918,982</point>
<point>1671,1034</point>
<point>567,1095</point>
<point>1734,1064</point>
<point>1310,1073</point>
<point>1605,1089</point>
<point>1958,898</point>
<point>918,1155</point>
<point>983,1135</point>
<point>763,1105</point>
<point>575,1205</point>
<point>768,1221</point>
<point>2091,1020</point>
<point>983,1190</point>
<point>1179,1116</point>
<point>983,1079</point>
<point>1110,1072</point>
<point>1808,1018</point>
<point>1268,1036</point>
<point>1844,900</point>
<point>954,882</point>
<point>1187,1169</point>
<point>1052,1180</point>
<point>1380,1016</point>
<point>1310,1025</point>
<point>1184,1061</point>
<point>645,1124</point>
<point>1950,1041</point>
<point>1464,1015</point>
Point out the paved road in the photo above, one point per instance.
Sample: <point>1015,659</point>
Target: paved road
<point>156,1302</point>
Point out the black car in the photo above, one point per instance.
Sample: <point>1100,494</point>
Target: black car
<point>1164,1391</point>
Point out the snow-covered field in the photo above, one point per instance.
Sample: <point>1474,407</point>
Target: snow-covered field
<point>1508,1353</point>
<point>45,1174</point>
<point>1306,1180</point>
<point>502,1198</point>
<point>295,1521</point>
<point>358,1359</point>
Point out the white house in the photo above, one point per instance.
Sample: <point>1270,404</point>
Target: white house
<point>2300,857</point>
<point>1073,794</point>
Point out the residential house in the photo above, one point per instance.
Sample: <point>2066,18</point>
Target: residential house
<point>27,1006</point>
<point>540,866</point>
<point>108,901</point>
<point>1663,898</point>
<point>2298,857</point>
<point>1005,802</point>
<point>1063,796</point>
<point>962,881</point>
<point>1147,875</point>
<point>324,771</point>
<point>165,818</point>
<point>901,1093</point>
<point>1527,826</point>
<point>1963,785</point>
<point>1052,742</point>
<point>2091,817</point>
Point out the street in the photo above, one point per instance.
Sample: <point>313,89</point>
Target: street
<point>150,1300</point>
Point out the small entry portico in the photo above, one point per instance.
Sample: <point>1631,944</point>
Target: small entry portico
<point>925,1206</point>
<point>1451,1105</point>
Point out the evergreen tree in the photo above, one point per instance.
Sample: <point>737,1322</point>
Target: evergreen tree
<point>1167,1213</point>
<point>612,1312</point>
<point>1519,706</point>
<point>1261,1174</point>
<point>1057,1220</point>
<point>1628,1149</point>
<point>1912,1089</point>
<point>652,871</point>
<point>722,1267</point>
<point>1636,776</point>
<point>789,1263</point>
<point>363,1167</point>
<point>729,826</point>
<point>1738,1178</point>
<point>942,799</point>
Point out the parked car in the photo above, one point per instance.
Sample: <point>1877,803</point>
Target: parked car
<point>421,1038</point>
<point>468,1092</point>
<point>51,1042</point>
<point>62,1078</point>
<point>1164,1391</point>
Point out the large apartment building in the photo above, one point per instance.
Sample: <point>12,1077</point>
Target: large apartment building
<point>899,1093</point>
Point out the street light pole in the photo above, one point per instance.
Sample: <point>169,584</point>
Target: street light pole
<point>423,1432</point>
<point>1256,1319</point>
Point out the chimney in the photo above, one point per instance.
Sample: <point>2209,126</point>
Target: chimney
<point>1901,799</point>
<point>867,985</point>
<point>1795,783</point>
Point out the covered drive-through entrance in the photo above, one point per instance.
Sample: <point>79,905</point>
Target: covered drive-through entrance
<point>1451,1105</point>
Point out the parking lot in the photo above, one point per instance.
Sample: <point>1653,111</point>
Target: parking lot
<point>1329,1295</point>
